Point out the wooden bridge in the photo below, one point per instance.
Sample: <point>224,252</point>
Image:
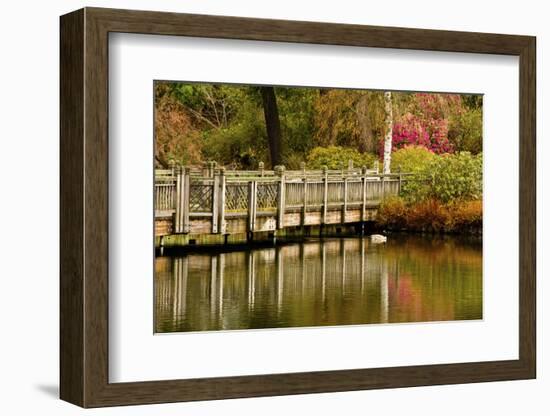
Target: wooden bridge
<point>212,205</point>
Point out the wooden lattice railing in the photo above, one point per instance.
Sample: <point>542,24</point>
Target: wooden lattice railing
<point>183,193</point>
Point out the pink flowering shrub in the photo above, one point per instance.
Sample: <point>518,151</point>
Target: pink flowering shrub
<point>414,131</point>
<point>427,124</point>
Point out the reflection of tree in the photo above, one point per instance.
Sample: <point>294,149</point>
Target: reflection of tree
<point>437,280</point>
<point>331,282</point>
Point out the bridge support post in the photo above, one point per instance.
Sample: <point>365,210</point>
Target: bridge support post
<point>345,204</point>
<point>304,208</point>
<point>178,217</point>
<point>280,170</point>
<point>221,223</point>
<point>215,203</point>
<point>252,188</point>
<point>325,195</point>
<point>185,197</point>
<point>364,197</point>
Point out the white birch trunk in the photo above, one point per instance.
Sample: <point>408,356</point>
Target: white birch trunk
<point>389,131</point>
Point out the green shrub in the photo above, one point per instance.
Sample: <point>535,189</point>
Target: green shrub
<point>445,178</point>
<point>412,159</point>
<point>417,161</point>
<point>336,157</point>
<point>457,177</point>
<point>242,144</point>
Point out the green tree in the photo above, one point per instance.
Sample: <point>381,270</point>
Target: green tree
<point>466,130</point>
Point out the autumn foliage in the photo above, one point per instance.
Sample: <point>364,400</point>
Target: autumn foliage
<point>175,137</point>
<point>226,123</point>
<point>432,215</point>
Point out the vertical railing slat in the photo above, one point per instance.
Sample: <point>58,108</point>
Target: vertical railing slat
<point>179,203</point>
<point>215,203</point>
<point>186,188</point>
<point>364,197</point>
<point>304,201</point>
<point>281,198</point>
<point>221,225</point>
<point>325,195</point>
<point>252,205</point>
<point>345,203</point>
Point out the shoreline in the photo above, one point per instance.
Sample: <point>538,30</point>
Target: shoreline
<point>257,243</point>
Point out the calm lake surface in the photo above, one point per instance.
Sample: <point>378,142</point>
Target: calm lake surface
<point>321,282</point>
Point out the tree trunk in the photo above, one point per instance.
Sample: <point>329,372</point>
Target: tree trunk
<point>389,131</point>
<point>272,124</point>
<point>366,138</point>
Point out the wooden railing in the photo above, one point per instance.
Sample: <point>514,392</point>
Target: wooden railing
<point>217,194</point>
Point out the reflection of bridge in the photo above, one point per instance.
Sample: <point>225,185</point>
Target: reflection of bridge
<point>291,285</point>
<point>215,206</point>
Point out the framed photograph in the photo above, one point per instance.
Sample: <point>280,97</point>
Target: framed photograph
<point>255,207</point>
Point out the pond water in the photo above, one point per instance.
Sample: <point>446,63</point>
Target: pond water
<point>339,281</point>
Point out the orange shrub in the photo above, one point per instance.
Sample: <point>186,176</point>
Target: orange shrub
<point>431,215</point>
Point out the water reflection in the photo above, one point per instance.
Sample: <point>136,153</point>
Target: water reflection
<point>321,282</point>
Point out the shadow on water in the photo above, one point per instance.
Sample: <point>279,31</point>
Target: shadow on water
<point>341,281</point>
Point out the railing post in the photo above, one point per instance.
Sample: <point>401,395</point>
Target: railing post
<point>280,170</point>
<point>252,187</point>
<point>261,168</point>
<point>185,204</point>
<point>172,165</point>
<point>377,167</point>
<point>325,195</point>
<point>178,216</point>
<point>221,224</point>
<point>350,166</point>
<point>304,208</point>
<point>383,193</point>
<point>345,205</point>
<point>215,203</point>
<point>364,194</point>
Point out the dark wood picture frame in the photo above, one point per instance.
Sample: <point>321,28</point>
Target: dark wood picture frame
<point>84,207</point>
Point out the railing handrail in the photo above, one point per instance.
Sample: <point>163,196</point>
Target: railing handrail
<point>161,175</point>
